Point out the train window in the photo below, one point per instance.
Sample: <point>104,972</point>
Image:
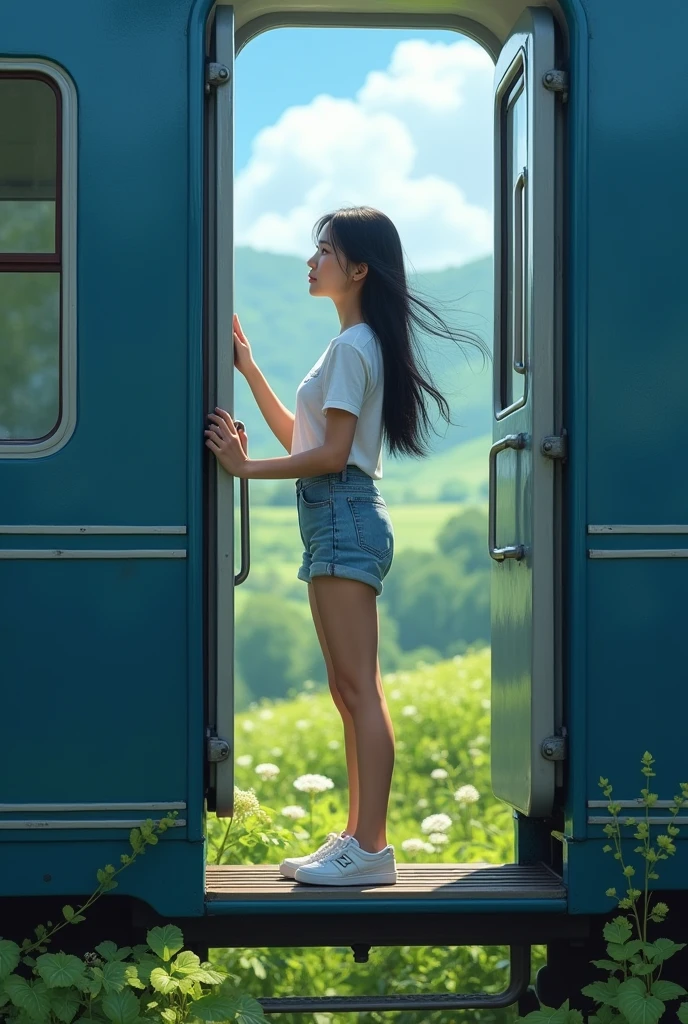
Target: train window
<point>36,258</point>
<point>512,204</point>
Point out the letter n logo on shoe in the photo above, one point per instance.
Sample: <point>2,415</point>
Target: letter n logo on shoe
<point>344,861</point>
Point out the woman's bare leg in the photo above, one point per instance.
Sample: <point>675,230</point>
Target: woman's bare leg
<point>348,617</point>
<point>349,735</point>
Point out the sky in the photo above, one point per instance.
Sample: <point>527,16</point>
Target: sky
<point>397,119</point>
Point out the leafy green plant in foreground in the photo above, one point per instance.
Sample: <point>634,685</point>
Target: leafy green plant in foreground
<point>154,982</point>
<point>634,991</point>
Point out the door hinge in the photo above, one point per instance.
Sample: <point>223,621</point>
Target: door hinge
<point>554,747</point>
<point>557,81</point>
<point>217,749</point>
<point>555,446</point>
<point>215,75</point>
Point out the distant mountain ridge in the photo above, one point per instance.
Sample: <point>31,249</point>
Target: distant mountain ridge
<point>288,330</point>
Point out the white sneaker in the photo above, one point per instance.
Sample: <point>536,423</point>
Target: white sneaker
<point>290,864</point>
<point>348,864</point>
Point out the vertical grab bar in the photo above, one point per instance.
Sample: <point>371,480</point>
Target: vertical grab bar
<point>245,525</point>
<point>518,321</point>
<point>516,551</point>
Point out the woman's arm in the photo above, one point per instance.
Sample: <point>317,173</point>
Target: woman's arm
<point>276,415</point>
<point>330,457</point>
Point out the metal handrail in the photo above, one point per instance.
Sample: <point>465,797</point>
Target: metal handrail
<point>245,525</point>
<point>517,551</point>
<point>519,979</point>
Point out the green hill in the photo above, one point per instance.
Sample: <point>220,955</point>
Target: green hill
<point>288,330</point>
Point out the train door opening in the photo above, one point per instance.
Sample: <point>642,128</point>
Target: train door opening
<point>426,129</point>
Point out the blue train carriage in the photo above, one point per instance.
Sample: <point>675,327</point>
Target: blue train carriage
<point>118,565</point>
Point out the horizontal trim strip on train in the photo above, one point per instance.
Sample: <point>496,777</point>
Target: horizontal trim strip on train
<point>171,805</point>
<point>639,553</point>
<point>63,553</point>
<point>35,824</point>
<point>105,530</point>
<point>637,803</point>
<point>653,528</point>
<point>598,819</point>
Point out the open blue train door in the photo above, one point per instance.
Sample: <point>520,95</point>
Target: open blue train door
<point>220,518</point>
<point>522,502</point>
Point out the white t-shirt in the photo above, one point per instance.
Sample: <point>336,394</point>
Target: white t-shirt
<point>349,375</point>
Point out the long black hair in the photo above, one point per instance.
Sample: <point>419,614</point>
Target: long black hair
<point>361,234</point>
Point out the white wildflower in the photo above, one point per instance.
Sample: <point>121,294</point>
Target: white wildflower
<point>486,703</point>
<point>467,795</point>
<point>438,838</point>
<point>267,771</point>
<point>248,725</point>
<point>476,684</point>
<point>428,848</point>
<point>244,760</point>
<point>266,714</point>
<point>436,823</point>
<point>334,744</point>
<point>422,803</point>
<point>294,812</point>
<point>302,723</point>
<point>395,695</point>
<point>313,783</point>
<point>276,751</point>
<point>409,710</point>
<point>413,845</point>
<point>438,773</point>
<point>245,803</point>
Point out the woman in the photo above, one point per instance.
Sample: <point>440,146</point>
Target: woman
<point>366,386</point>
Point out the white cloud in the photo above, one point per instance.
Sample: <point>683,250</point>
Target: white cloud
<point>414,142</point>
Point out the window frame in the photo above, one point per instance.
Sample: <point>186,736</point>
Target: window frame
<point>503,354</point>
<point>61,261</point>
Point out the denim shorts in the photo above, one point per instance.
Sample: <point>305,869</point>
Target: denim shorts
<point>345,528</point>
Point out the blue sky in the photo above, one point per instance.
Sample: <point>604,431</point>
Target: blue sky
<point>285,67</point>
<point>399,119</point>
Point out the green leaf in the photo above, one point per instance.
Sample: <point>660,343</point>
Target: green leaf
<point>607,965</point>
<point>31,997</point>
<point>249,1010</point>
<point>162,982</point>
<point>637,1004</point>
<point>146,967</point>
<point>132,976</point>
<point>642,970</point>
<point>68,912</point>
<point>220,1007</point>
<point>114,976</point>
<point>186,963</point>
<point>169,1016</point>
<point>60,970</point>
<point>604,1015</point>
<point>9,957</point>
<point>662,949</point>
<point>624,951</point>
<point>165,941</point>
<point>92,982</point>
<point>121,1007</point>
<point>108,950</point>
<point>619,930</point>
<point>682,1013</point>
<point>64,1003</point>
<point>603,991</point>
<point>212,976</point>
<point>667,990</point>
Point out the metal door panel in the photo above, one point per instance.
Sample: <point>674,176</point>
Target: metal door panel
<point>521,478</point>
